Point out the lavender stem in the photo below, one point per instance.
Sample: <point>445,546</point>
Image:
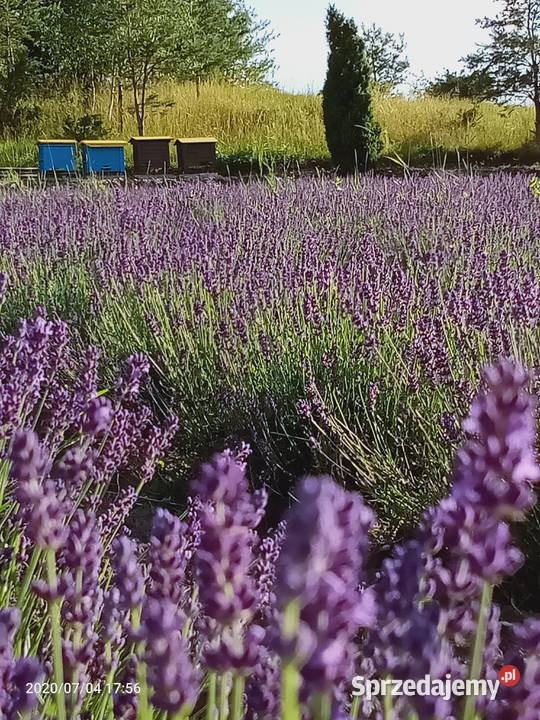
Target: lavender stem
<point>54,610</point>
<point>478,648</point>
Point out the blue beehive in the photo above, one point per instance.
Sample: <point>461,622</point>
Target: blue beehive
<point>57,155</point>
<point>103,156</point>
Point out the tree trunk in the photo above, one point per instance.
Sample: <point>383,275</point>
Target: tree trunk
<point>111,100</point>
<point>94,93</point>
<point>537,126</point>
<point>139,111</point>
<point>142,107</point>
<point>140,120</point>
<point>120,107</point>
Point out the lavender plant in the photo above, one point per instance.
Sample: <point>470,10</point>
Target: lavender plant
<point>372,302</point>
<point>346,339</point>
<point>215,618</point>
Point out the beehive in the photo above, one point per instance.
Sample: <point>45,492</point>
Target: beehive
<point>151,154</point>
<point>57,155</point>
<point>103,156</point>
<point>196,155</point>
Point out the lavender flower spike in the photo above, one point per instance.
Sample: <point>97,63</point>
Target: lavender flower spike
<point>502,457</point>
<point>41,510</point>
<point>169,556</point>
<point>128,577</point>
<point>171,674</point>
<point>320,568</point>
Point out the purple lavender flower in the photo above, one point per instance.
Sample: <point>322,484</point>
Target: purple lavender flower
<point>222,564</point>
<point>224,556</point>
<point>265,345</point>
<point>220,481</point>
<point>492,483</point>
<point>320,567</point>
<point>10,619</point>
<point>263,687</point>
<point>171,674</point>
<point>41,510</point>
<point>81,564</point>
<point>224,559</point>
<point>97,416</point>
<point>155,444</point>
<point>303,409</point>
<point>236,651</point>
<point>317,536</point>
<point>373,394</point>
<point>86,383</point>
<point>114,623</point>
<point>28,459</point>
<point>128,576</point>
<point>450,427</point>
<point>72,472</point>
<point>405,627</point>
<point>265,570</point>
<point>125,704</point>
<point>135,370</point>
<point>116,514</point>
<point>498,468</point>
<point>25,672</point>
<point>169,555</point>
<point>4,282</point>
<point>15,674</point>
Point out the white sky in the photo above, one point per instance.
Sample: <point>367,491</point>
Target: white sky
<point>438,33</point>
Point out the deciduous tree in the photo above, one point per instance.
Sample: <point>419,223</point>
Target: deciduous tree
<point>17,72</point>
<point>476,85</point>
<point>133,43</point>
<point>511,58</point>
<point>386,55</point>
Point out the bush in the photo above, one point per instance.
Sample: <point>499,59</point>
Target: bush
<point>18,111</point>
<point>87,127</point>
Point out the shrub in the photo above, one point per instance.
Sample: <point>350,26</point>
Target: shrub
<point>375,309</point>
<point>87,127</point>
<point>18,109</point>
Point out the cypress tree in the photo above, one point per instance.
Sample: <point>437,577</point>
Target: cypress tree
<point>352,134</point>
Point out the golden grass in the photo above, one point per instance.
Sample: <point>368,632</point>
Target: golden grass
<point>258,120</point>
<point>452,124</point>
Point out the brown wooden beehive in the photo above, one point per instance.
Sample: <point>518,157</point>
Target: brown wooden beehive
<point>151,154</point>
<point>196,155</point>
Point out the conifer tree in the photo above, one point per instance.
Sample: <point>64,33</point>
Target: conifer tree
<point>352,134</point>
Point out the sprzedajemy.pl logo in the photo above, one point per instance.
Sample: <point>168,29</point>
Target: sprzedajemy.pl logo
<point>447,688</point>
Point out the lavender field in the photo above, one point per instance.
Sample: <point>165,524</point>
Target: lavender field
<point>335,326</point>
<point>208,345</point>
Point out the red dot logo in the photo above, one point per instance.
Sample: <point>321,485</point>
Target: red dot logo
<point>509,675</point>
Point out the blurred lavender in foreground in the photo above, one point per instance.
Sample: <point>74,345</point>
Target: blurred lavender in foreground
<point>215,616</point>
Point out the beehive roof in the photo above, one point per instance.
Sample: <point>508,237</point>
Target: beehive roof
<point>104,143</point>
<point>149,137</point>
<point>197,140</point>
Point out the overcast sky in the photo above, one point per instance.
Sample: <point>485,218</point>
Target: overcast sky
<point>437,32</point>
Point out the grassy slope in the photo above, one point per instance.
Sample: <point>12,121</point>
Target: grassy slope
<point>264,125</point>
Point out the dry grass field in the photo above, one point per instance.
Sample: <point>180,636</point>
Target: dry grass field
<point>260,124</point>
